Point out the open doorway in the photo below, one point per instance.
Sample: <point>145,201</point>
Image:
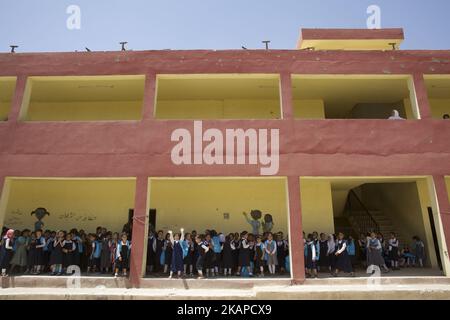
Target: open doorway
<point>222,211</point>
<point>85,216</point>
<point>388,206</point>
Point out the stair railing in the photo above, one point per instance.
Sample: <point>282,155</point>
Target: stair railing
<point>362,218</point>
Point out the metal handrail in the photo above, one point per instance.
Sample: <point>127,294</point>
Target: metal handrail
<point>366,222</point>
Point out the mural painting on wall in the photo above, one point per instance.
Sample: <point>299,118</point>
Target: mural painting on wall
<point>256,223</point>
<point>39,213</point>
<point>17,219</point>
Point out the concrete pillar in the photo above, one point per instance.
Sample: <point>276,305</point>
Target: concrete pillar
<point>296,252</point>
<point>421,102</point>
<point>443,205</point>
<point>148,109</point>
<point>287,108</point>
<point>18,98</point>
<point>140,222</point>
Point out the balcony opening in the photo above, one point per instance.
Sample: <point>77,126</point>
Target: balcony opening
<point>357,206</point>
<point>83,98</point>
<point>53,204</point>
<point>351,97</point>
<point>202,204</point>
<point>7,87</point>
<point>221,96</point>
<point>438,87</point>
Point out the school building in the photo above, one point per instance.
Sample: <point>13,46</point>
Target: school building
<point>89,137</point>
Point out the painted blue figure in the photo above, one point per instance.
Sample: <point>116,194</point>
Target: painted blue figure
<point>40,214</point>
<point>177,253</point>
<point>255,221</point>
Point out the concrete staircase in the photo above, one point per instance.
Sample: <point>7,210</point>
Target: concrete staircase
<point>384,222</point>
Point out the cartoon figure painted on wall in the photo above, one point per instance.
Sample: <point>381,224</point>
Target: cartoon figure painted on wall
<point>267,223</point>
<point>255,221</point>
<point>40,214</point>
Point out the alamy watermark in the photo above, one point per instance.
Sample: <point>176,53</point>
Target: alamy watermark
<point>73,22</point>
<point>374,19</point>
<point>227,147</point>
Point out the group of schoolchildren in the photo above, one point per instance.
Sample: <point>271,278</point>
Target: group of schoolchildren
<point>61,252</point>
<point>212,253</point>
<point>331,253</point>
<point>205,255</point>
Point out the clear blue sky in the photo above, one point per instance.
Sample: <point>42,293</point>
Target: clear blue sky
<point>40,25</point>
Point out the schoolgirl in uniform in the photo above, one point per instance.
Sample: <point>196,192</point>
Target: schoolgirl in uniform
<point>6,251</point>
<point>281,251</point>
<point>20,255</point>
<point>122,255</point>
<point>209,255</point>
<point>419,251</point>
<point>393,251</point>
<point>195,251</point>
<point>228,249</point>
<point>113,249</point>
<point>177,253</point>
<point>237,243</point>
<point>68,248</point>
<point>217,249</point>
<point>331,253</point>
<point>251,249</point>
<point>189,257</point>
<point>323,253</point>
<point>259,256</point>
<point>374,252</point>
<point>151,251</point>
<point>168,250</point>
<point>38,258</point>
<point>311,257</point>
<point>105,255</point>
<point>343,262</point>
<point>160,244</point>
<point>270,247</point>
<point>203,248</point>
<point>244,254</point>
<point>78,247</point>
<point>56,255</point>
<point>96,252</point>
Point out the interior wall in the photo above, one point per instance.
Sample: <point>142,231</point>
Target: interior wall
<point>406,209</point>
<point>218,109</point>
<point>84,111</point>
<point>339,201</point>
<point>81,204</point>
<point>447,182</point>
<point>309,109</point>
<point>317,205</point>
<point>7,88</point>
<point>5,107</point>
<point>200,204</point>
<point>439,107</point>
<point>377,110</point>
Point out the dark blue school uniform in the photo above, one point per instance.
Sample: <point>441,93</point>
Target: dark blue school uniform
<point>177,257</point>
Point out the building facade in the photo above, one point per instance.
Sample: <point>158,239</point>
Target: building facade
<point>110,117</point>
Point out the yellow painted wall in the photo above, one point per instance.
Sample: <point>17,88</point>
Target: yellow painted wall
<point>7,87</point>
<point>408,109</point>
<point>82,204</point>
<point>199,204</point>
<point>84,111</point>
<point>4,110</point>
<point>447,182</point>
<point>309,109</point>
<point>406,205</point>
<point>317,206</point>
<point>218,109</point>
<point>439,107</point>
